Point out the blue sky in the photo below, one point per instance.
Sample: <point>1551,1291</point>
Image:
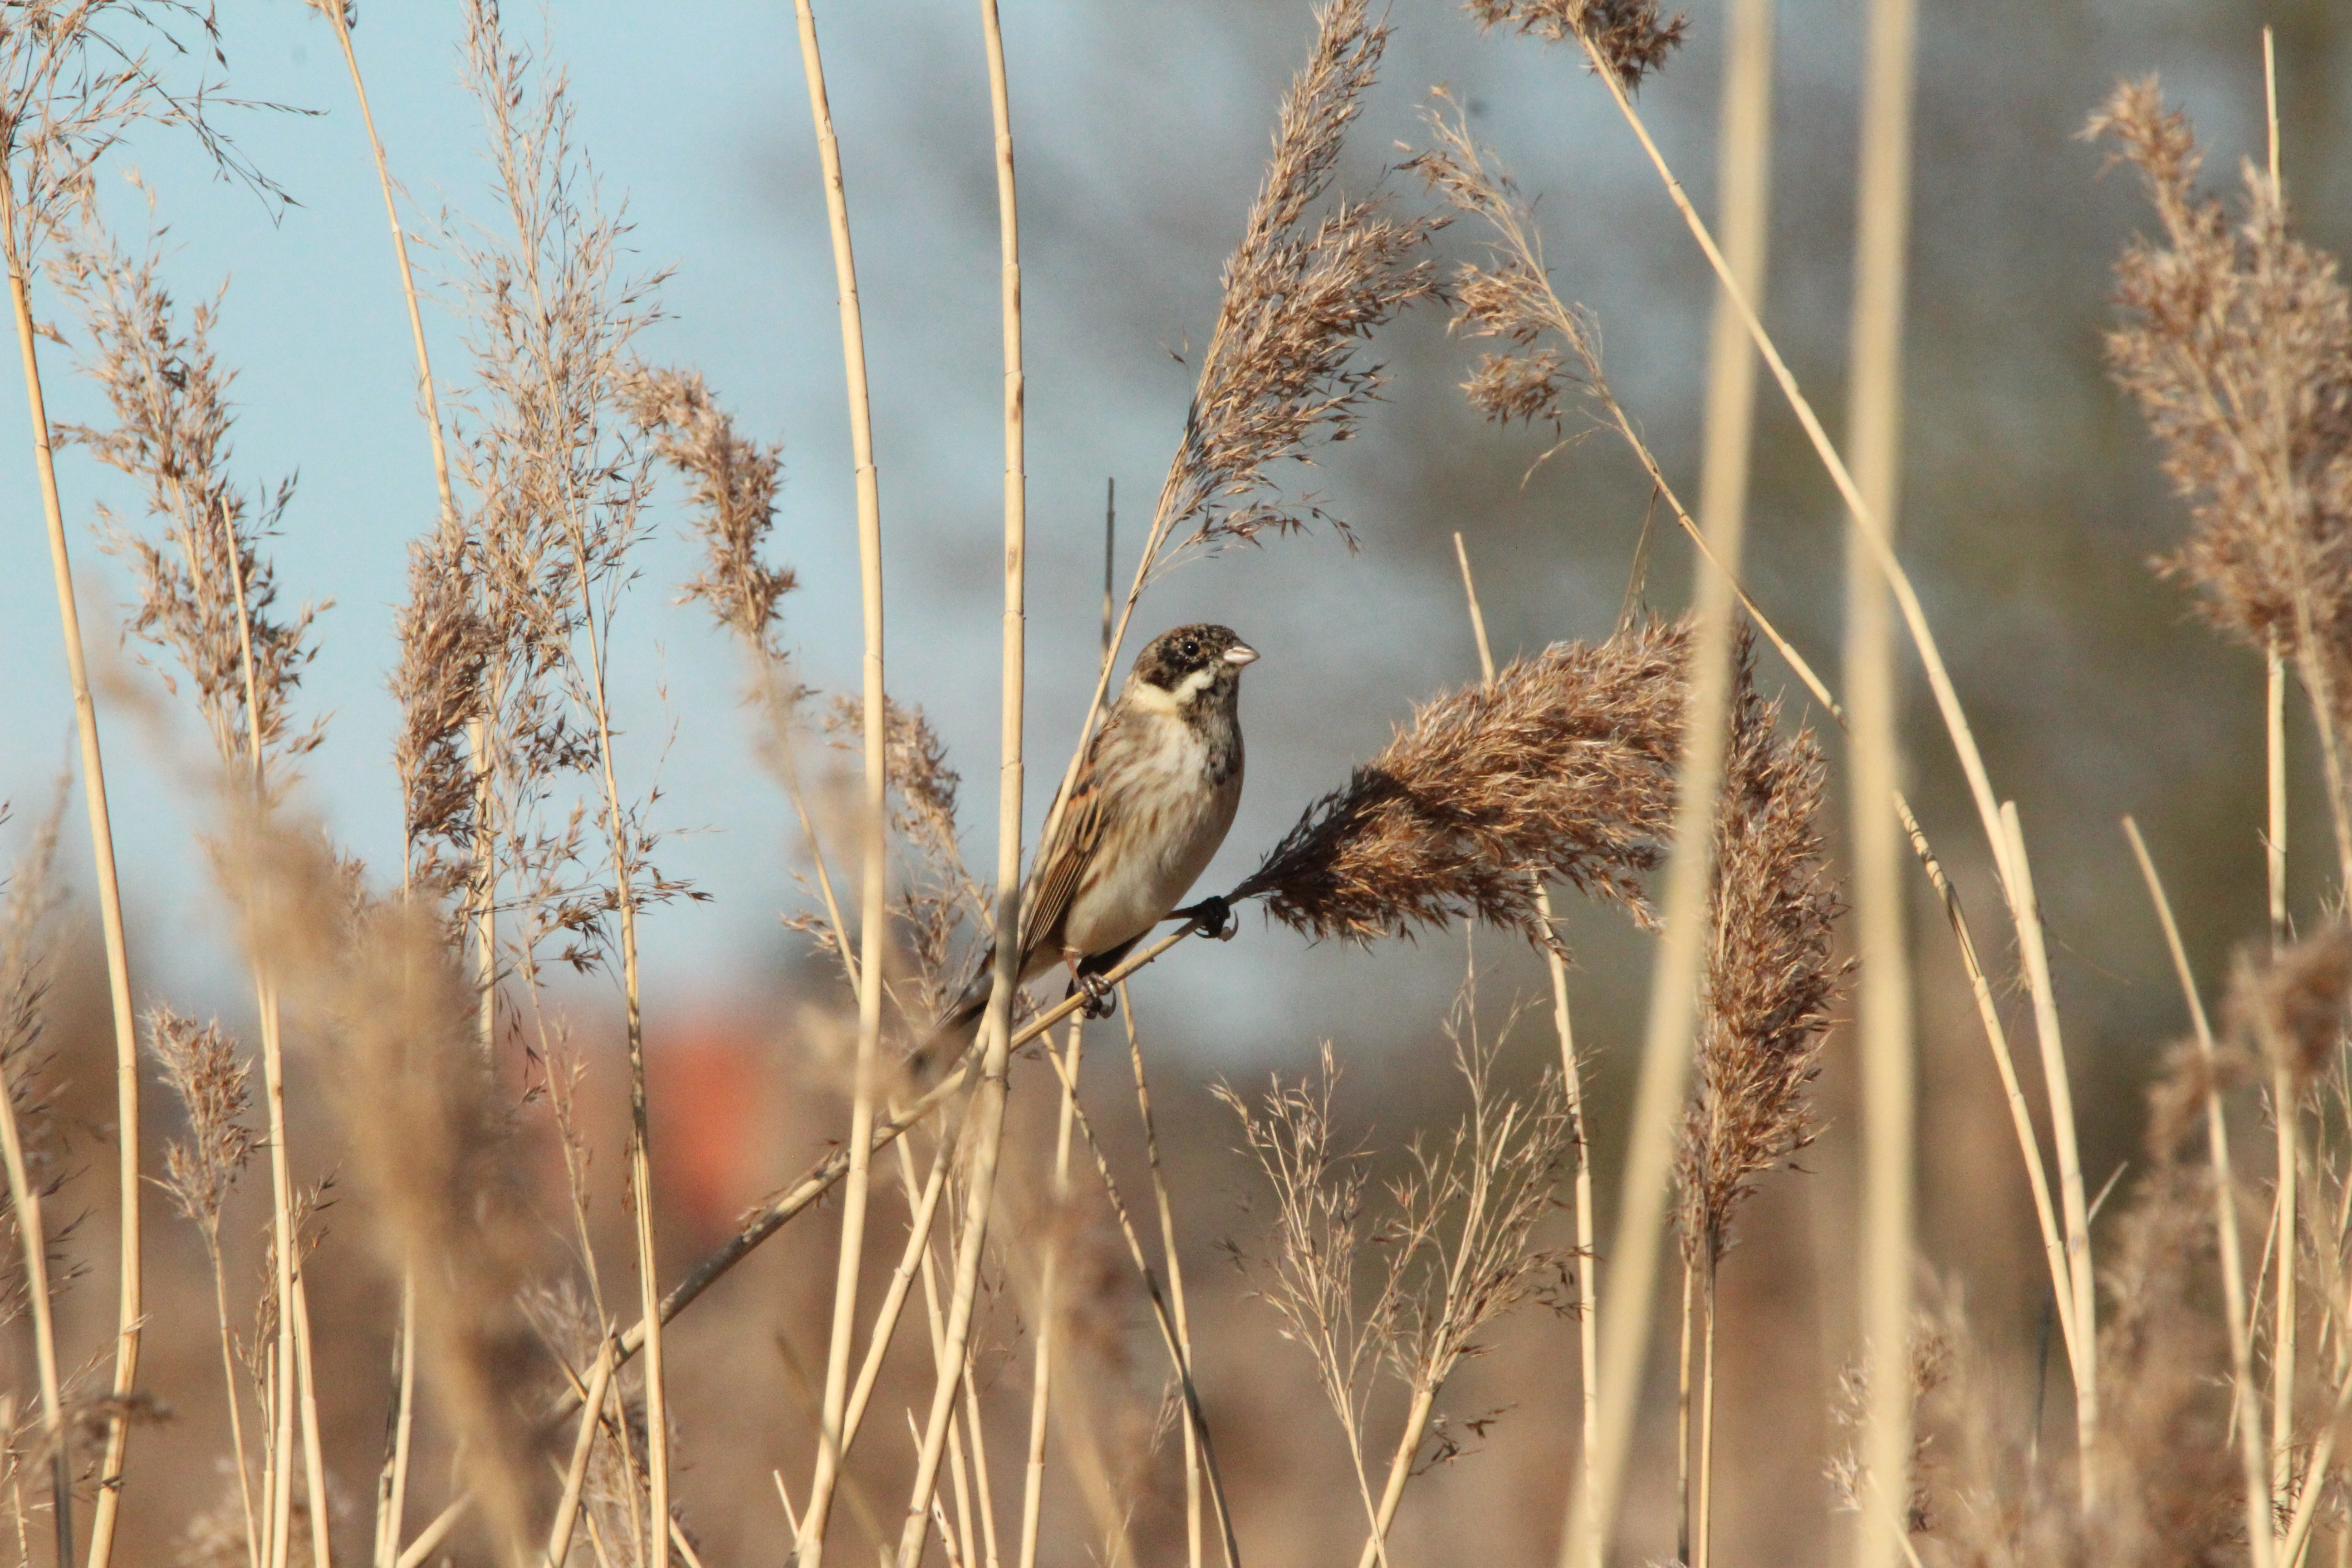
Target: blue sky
<point>1141,131</point>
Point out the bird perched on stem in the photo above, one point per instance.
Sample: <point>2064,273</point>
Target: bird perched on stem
<point>1145,815</point>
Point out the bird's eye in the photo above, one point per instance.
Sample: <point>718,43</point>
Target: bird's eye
<point>1188,649</point>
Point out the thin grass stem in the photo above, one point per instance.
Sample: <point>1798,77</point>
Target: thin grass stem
<point>1033,1485</point>
<point>2260,1518</point>
<point>33,1240</point>
<point>392,1482</point>
<point>2027,909</point>
<point>584,1443</point>
<point>1588,1258</point>
<point>1172,1258</point>
<point>129,1316</point>
<point>874,925</point>
<point>1178,1353</point>
<point>2054,1246</point>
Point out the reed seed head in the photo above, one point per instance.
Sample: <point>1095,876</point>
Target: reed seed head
<point>1632,36</point>
<point>2236,342</point>
<point>1771,977</point>
<point>207,593</point>
<point>2292,1009</point>
<point>200,1061</point>
<point>1562,767</point>
<point>733,484</point>
<point>1301,293</point>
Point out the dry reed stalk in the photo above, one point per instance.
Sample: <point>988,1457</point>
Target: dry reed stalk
<point>874,920</point>
<point>392,1482</point>
<point>202,1066</point>
<point>2004,843</point>
<point>2247,1412</point>
<point>1169,1257</point>
<point>1587,1254</point>
<point>2026,906</point>
<point>1769,983</point>
<point>1177,1346</point>
<point>996,1026</point>
<point>1032,1485</point>
<point>74,77</point>
<point>208,595</point>
<point>1883,998</point>
<point>2054,1243</point>
<point>2234,345</point>
<point>24,960</point>
<point>109,891</point>
<point>1301,291</point>
<point>1743,171</point>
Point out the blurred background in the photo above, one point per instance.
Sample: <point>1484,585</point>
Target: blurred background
<point>2031,511</point>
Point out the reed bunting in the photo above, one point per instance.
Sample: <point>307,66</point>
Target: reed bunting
<point>1148,808</point>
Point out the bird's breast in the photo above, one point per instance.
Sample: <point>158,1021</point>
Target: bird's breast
<point>1177,791</point>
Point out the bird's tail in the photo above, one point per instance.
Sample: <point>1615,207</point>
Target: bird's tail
<point>957,1028</point>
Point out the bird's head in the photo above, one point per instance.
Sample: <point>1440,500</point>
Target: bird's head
<point>1190,661</point>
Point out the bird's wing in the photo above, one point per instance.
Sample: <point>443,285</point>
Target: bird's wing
<point>1061,864</point>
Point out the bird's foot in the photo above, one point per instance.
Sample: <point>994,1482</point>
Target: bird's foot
<point>1215,916</point>
<point>1101,999</point>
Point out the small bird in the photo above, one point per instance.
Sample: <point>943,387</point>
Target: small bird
<point>1145,815</point>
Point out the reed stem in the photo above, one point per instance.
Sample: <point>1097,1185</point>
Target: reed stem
<point>1882,949</point>
<point>129,1316</point>
<point>996,1033</point>
<point>874,923</point>
<point>1588,1258</point>
<point>1674,977</point>
<point>32,1240</point>
<point>1174,1261</point>
<point>2005,849</point>
<point>2260,1514</point>
<point>1033,1487</point>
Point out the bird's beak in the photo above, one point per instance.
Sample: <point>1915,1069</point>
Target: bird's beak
<point>1241,653</point>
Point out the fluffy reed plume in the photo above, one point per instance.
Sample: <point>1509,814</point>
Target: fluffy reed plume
<point>2237,345</point>
<point>732,484</point>
<point>548,453</point>
<point>2294,1007</point>
<point>938,905</point>
<point>446,646</point>
<point>201,1064</point>
<point>1510,295</point>
<point>1771,977</point>
<point>207,594</point>
<point>2168,1477</point>
<point>75,76</point>
<point>29,898</point>
<point>1630,34</point>
<point>1301,292</point>
<point>1563,765</point>
<point>1447,1252</point>
<point>1930,1369</point>
<point>426,1145</point>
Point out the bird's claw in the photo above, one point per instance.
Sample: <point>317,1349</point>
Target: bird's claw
<point>1215,916</point>
<point>1101,1001</point>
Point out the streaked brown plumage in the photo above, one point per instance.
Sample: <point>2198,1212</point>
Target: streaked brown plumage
<point>1146,815</point>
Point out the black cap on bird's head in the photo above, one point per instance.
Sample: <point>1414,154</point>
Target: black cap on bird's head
<point>1190,660</point>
